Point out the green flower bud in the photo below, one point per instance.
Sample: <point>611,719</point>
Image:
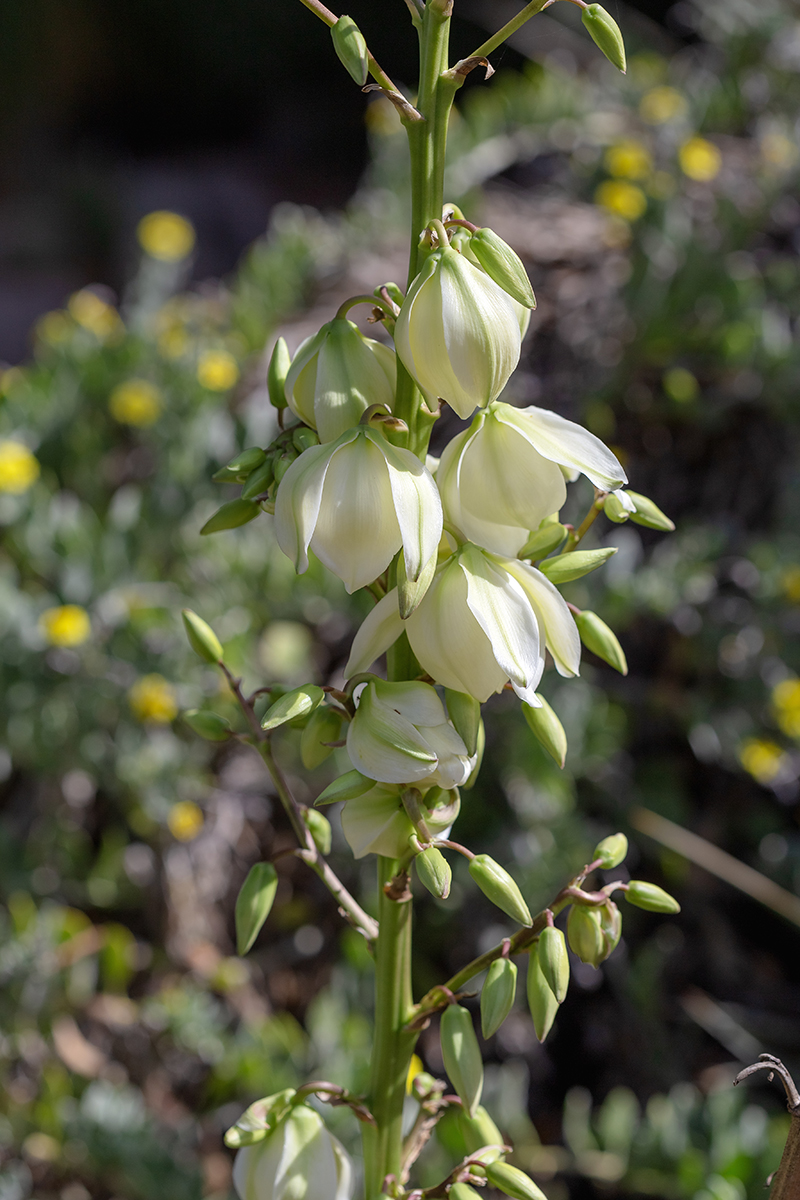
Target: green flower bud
<point>544,541</point>
<point>478,1131</point>
<point>651,897</point>
<point>576,563</point>
<point>300,702</point>
<point>615,510</point>
<point>351,49</point>
<point>231,515</point>
<point>258,482</point>
<point>259,1119</point>
<point>279,364</point>
<point>237,470</point>
<point>605,34</point>
<point>586,935</point>
<point>649,514</point>
<point>611,851</point>
<point>462,1191</point>
<point>253,904</point>
<point>602,641</point>
<point>610,925</point>
<point>201,637</point>
<point>554,961</point>
<point>462,1055</point>
<point>304,438</point>
<point>320,829</point>
<point>541,1000</point>
<point>497,995</point>
<point>208,725</point>
<point>545,725</point>
<point>502,265</point>
<point>498,886</point>
<point>433,872</point>
<point>283,462</point>
<point>411,592</point>
<point>465,713</point>
<point>324,726</point>
<point>346,787</point>
<point>513,1182</point>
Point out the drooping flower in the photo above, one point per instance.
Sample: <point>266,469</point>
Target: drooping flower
<point>299,1160</point>
<point>458,332</point>
<point>400,734</point>
<point>484,620</point>
<point>336,375</point>
<point>502,477</point>
<point>355,502</point>
<point>377,823</point>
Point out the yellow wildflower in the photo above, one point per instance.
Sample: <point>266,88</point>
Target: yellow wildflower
<point>700,159</point>
<point>92,313</point>
<point>67,625</point>
<point>18,467</point>
<point>786,704</point>
<point>166,236</point>
<point>680,384</point>
<point>762,759</point>
<point>415,1068</point>
<point>173,342</point>
<point>152,699</point>
<point>629,160</point>
<point>217,370</point>
<point>790,582</point>
<point>662,104</point>
<point>135,402</point>
<point>185,820</point>
<point>624,199</point>
<point>53,328</point>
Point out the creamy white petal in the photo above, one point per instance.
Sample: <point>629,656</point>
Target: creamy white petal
<point>417,702</point>
<point>500,606</point>
<point>624,500</point>
<point>555,618</point>
<point>298,503</point>
<point>376,823</point>
<point>357,533</point>
<point>344,1170</point>
<point>380,630</point>
<point>564,442</point>
<point>302,377</point>
<point>384,745</point>
<point>417,505</point>
<point>454,764</point>
<point>349,378</point>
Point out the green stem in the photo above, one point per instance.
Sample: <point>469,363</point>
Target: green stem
<point>497,39</point>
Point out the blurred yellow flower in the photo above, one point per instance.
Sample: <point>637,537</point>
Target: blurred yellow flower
<point>53,328</point>
<point>762,759</point>
<point>67,625</point>
<point>786,703</point>
<point>790,582</point>
<point>185,820</point>
<point>166,236</point>
<point>700,159</point>
<point>135,402</point>
<point>217,370</point>
<point>680,384</point>
<point>89,311</point>
<point>625,200</point>
<point>628,160</point>
<point>662,104</point>
<point>154,700</point>
<point>415,1068</point>
<point>173,342</point>
<point>18,467</point>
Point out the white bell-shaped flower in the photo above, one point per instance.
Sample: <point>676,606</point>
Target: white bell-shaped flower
<point>377,823</point>
<point>484,620</point>
<point>458,333</point>
<point>299,1160</point>
<point>400,734</point>
<point>502,477</point>
<point>355,502</point>
<point>336,375</point>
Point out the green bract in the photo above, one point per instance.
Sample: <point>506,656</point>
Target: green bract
<point>503,265</point>
<point>433,871</point>
<point>297,703</point>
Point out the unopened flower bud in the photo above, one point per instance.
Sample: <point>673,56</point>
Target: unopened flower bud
<point>320,829</point>
<point>351,49</point>
<point>433,872</point>
<point>649,514</point>
<point>585,935</point>
<point>605,34</point>
<point>575,564</point>
<point>231,516</point>
<point>611,851</point>
<point>651,897</point>
<point>238,469</point>
<point>201,637</point>
<point>503,265</point>
<point>304,438</point>
<point>253,904</point>
<point>465,713</point>
<point>462,1055</point>
<point>298,1160</point>
<point>615,509</point>
<point>283,461</point>
<point>208,725</point>
<point>497,995</point>
<point>602,641</point>
<point>258,482</point>
<point>554,961</point>
<point>462,1191</point>
<point>498,886</point>
<point>279,364</point>
<point>541,1000</point>
<point>324,726</point>
<point>458,333</point>
<point>478,1131</point>
<point>300,702</point>
<point>547,728</point>
<point>336,375</point>
<point>513,1182</point>
<point>610,925</point>
<point>544,541</point>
